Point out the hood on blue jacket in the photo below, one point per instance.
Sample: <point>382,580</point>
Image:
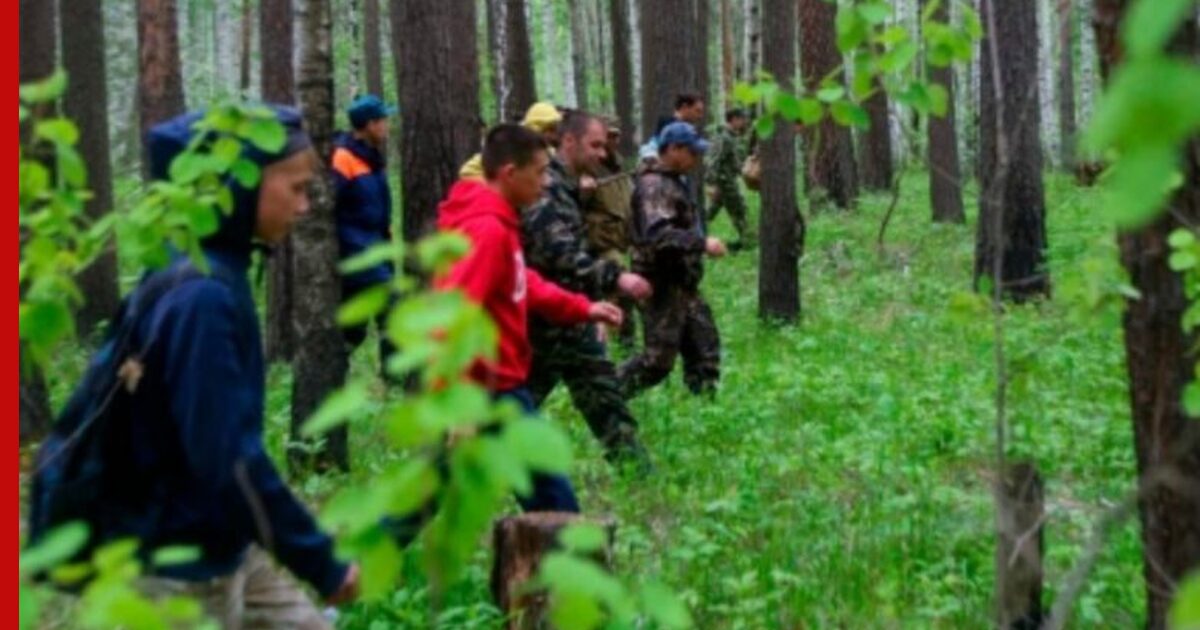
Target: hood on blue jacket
<point>167,140</point>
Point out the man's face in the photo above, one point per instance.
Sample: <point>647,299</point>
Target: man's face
<point>523,185</point>
<point>585,152</point>
<point>693,113</point>
<point>283,196</point>
<point>377,131</point>
<point>680,158</point>
<point>738,124</point>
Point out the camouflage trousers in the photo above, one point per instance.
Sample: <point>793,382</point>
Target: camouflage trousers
<point>576,357</point>
<point>730,198</point>
<point>676,322</point>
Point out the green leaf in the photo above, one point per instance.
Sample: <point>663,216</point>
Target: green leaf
<point>1181,238</point>
<point>365,306</point>
<point>583,538</point>
<point>1149,25</point>
<point>875,13</point>
<point>437,252</point>
<point>745,93</point>
<point>575,611</point>
<point>850,115</point>
<point>381,565</point>
<point>265,133</point>
<point>898,58</point>
<point>246,173</point>
<point>1138,185</point>
<point>664,607</point>
<point>1185,611</point>
<point>764,126</point>
<point>811,111</point>
<point>57,547</point>
<point>970,20</point>
<point>44,91</point>
<point>44,323</point>
<point>373,257</point>
<point>541,445</point>
<point>57,130</point>
<point>171,556</point>
<point>852,29</point>
<point>931,7</point>
<point>939,99</point>
<point>831,94</point>
<point>892,36</point>
<point>1182,261</point>
<point>788,105</point>
<point>337,409</point>
<point>1191,399</point>
<point>1148,104</point>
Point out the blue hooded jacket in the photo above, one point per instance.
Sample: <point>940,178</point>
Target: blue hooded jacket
<point>197,413</point>
<point>363,207</point>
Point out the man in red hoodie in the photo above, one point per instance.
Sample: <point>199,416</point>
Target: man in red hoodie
<point>494,275</point>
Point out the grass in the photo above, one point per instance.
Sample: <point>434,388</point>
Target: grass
<point>841,479</point>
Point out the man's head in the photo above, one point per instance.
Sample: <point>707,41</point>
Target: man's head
<point>689,108</point>
<point>514,163</point>
<point>582,142</point>
<point>283,196</point>
<point>737,120</point>
<point>680,147</point>
<point>369,117</point>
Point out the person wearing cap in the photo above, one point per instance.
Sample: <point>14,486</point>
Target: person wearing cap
<point>554,236</point>
<point>723,170</point>
<point>184,442</point>
<point>670,242</point>
<point>606,213</point>
<point>363,204</point>
<point>542,118</point>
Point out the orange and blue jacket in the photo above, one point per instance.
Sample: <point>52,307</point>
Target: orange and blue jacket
<point>362,206</point>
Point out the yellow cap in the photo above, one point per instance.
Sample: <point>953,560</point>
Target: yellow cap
<point>542,117</point>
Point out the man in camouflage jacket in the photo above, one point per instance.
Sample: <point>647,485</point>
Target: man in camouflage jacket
<point>724,166</point>
<point>670,243</point>
<point>554,237</point>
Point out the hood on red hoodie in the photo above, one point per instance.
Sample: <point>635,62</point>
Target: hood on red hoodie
<point>493,275</point>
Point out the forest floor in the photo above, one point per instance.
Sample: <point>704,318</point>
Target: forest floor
<point>841,478</point>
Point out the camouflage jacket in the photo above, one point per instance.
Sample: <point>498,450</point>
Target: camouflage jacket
<point>668,230</point>
<point>554,236</point>
<point>607,214</point>
<point>724,159</point>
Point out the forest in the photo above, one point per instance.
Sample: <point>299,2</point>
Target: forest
<point>957,315</point>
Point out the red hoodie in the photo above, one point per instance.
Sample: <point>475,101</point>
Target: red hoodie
<point>494,275</point>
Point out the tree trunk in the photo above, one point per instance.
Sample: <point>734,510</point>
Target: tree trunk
<point>669,67</point>
<point>623,74</point>
<point>160,81</point>
<point>1160,359</point>
<point>727,76</point>
<point>1047,17</point>
<point>945,176</point>
<point>829,148</point>
<point>779,270</point>
<point>439,97</point>
<point>1020,549</point>
<point>875,152</point>
<point>320,362</point>
<point>247,48</point>
<point>579,58</point>
<point>277,34</point>
<point>372,47</point>
<point>753,13</point>
<point>512,62</point>
<point>86,102</point>
<point>1066,85</point>
<point>36,61</point>
<point>1012,205</point>
<point>1089,78</point>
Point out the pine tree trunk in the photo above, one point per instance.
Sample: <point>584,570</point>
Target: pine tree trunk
<point>512,62</point>
<point>623,74</point>
<point>1012,205</point>
<point>439,97</point>
<point>160,81</point>
<point>945,176</point>
<point>1160,359</point>
<point>1066,85</point>
<point>247,48</point>
<point>875,152</point>
<point>36,61</point>
<point>779,271</point>
<point>86,102</point>
<point>753,12</point>
<point>320,362</point>
<point>1089,78</point>
<point>727,52</point>
<point>669,66</point>
<point>372,47</point>
<point>351,17</point>
<point>277,34</point>
<point>1047,17</point>
<point>829,148</point>
<point>579,61</point>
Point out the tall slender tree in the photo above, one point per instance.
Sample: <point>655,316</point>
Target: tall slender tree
<point>36,60</point>
<point>727,50</point>
<point>512,60</point>
<point>439,96</point>
<point>160,78</point>
<point>779,272</point>
<point>1160,359</point>
<point>1066,84</point>
<point>276,22</point>
<point>319,364</point>
<point>945,174</point>
<point>875,147</point>
<point>623,73</point>
<point>372,47</point>
<point>247,47</point>
<point>1012,202</point>
<point>670,65</point>
<point>579,52</point>
<point>752,10</point>
<point>86,102</point>
<point>829,148</point>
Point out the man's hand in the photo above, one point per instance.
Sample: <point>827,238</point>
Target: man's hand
<point>714,247</point>
<point>348,591</point>
<point>587,185</point>
<point>606,313</point>
<point>634,286</point>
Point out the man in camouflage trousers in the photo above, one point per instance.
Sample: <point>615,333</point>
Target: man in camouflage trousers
<point>724,169</point>
<point>553,232</point>
<point>606,213</point>
<point>669,246</point>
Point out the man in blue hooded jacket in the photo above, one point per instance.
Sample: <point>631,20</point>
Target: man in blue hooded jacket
<point>194,418</point>
<point>363,204</point>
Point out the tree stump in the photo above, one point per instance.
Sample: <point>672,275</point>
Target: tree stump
<point>1020,550</point>
<point>520,543</point>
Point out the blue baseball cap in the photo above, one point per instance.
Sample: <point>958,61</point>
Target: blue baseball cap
<point>367,108</point>
<point>685,134</point>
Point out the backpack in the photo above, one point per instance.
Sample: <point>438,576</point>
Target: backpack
<point>84,470</point>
